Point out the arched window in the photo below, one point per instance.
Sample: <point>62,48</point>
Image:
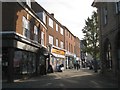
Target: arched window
<point>108,55</point>
<point>118,51</point>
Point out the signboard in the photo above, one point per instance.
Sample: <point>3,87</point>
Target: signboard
<point>56,51</point>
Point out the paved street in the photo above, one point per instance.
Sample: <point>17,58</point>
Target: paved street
<point>83,78</point>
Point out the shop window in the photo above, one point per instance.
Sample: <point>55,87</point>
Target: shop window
<point>24,63</point>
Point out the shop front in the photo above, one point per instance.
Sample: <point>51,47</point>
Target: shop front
<point>57,58</point>
<point>20,58</point>
<point>70,59</point>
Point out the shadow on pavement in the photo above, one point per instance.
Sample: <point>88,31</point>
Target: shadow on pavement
<point>52,81</point>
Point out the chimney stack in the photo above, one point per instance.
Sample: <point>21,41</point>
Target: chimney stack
<point>52,14</point>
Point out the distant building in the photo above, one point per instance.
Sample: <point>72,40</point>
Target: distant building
<point>83,53</point>
<point>69,47</point>
<point>77,48</point>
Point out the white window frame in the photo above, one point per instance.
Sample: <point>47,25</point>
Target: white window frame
<point>61,44</point>
<point>35,33</point>
<point>57,27</point>
<point>61,30</point>
<point>42,38</point>
<point>57,42</point>
<point>44,17</point>
<point>28,2</point>
<point>51,39</point>
<point>50,22</point>
<point>26,27</point>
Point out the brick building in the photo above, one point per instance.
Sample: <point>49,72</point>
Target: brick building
<point>69,47</point>
<point>109,25</point>
<point>32,39</point>
<point>77,48</point>
<point>54,37</point>
<point>21,41</point>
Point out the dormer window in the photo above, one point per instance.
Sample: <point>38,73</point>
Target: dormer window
<point>28,2</point>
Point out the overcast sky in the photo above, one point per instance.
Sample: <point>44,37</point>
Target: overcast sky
<point>70,13</point>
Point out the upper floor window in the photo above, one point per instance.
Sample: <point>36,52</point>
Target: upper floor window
<point>35,33</point>
<point>26,27</point>
<point>117,7</point>
<point>61,30</point>
<point>105,13</point>
<point>61,44</point>
<point>51,39</point>
<point>28,2</point>
<point>56,27</point>
<point>42,38</point>
<point>57,42</point>
<point>67,45</point>
<point>66,32</point>
<point>42,16</point>
<point>50,22</point>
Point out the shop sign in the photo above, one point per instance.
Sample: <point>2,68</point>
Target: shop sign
<point>56,51</point>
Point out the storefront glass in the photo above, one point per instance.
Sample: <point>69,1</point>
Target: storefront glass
<point>24,63</point>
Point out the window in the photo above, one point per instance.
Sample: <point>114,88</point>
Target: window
<point>108,57</point>
<point>117,7</point>
<point>105,15</point>
<point>61,44</point>
<point>26,27</point>
<point>35,33</point>
<point>57,42</point>
<point>51,39</point>
<point>42,16</point>
<point>71,48</point>
<point>56,27</point>
<point>61,31</point>
<point>67,33</point>
<point>50,22</point>
<point>28,2</point>
<point>67,45</point>
<point>42,38</point>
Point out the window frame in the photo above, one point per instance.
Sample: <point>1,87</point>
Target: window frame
<point>57,42</point>
<point>36,33</point>
<point>26,27</point>
<point>50,36</point>
<point>50,22</point>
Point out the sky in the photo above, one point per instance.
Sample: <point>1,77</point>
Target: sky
<point>70,13</point>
